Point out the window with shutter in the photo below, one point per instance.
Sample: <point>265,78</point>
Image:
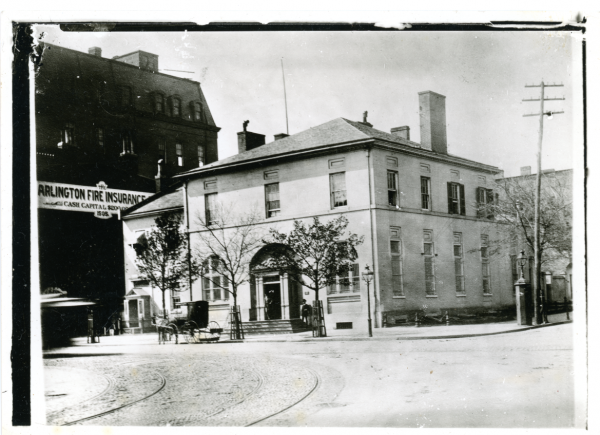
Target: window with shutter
<point>456,199</point>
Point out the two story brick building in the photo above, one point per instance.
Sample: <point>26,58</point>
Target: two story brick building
<point>415,204</point>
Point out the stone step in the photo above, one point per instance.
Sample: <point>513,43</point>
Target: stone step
<point>266,327</point>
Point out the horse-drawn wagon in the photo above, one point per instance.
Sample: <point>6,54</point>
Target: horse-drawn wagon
<point>195,328</point>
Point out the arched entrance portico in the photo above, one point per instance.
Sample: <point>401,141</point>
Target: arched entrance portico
<point>274,295</point>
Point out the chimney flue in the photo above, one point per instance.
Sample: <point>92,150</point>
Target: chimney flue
<point>403,132</point>
<point>95,51</point>
<point>159,178</point>
<point>432,111</point>
<point>280,136</point>
<point>526,170</point>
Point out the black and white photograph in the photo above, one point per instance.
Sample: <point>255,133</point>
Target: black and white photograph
<point>311,226</point>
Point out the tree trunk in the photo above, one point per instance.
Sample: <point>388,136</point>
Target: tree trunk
<point>236,325</point>
<point>164,305</point>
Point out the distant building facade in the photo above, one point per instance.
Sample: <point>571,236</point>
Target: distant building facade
<point>415,205</point>
<point>556,268</point>
<point>101,127</point>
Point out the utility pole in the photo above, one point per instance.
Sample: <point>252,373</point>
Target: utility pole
<point>537,288</point>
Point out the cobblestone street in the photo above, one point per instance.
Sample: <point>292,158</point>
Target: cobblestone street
<point>523,379</point>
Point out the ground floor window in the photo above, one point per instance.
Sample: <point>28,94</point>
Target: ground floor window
<point>347,283</point>
<point>215,286</point>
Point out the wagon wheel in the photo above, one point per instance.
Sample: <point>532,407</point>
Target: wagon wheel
<point>190,328</point>
<point>215,331</point>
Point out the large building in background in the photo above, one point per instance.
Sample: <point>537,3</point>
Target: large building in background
<point>101,126</point>
<point>556,267</point>
<point>415,204</point>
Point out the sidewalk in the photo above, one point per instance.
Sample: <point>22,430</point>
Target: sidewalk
<point>395,333</point>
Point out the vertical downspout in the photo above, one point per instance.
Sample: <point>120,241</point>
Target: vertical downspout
<point>372,230</point>
<point>187,225</point>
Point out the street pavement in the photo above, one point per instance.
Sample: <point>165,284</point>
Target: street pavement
<point>494,375</point>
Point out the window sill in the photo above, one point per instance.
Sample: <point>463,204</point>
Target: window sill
<point>458,295</point>
<point>431,296</point>
<point>341,207</point>
<point>398,297</point>
<point>487,294</point>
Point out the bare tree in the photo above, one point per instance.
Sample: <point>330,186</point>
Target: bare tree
<point>161,256</point>
<point>514,208</point>
<point>227,242</point>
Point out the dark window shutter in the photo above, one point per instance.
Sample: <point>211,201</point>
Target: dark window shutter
<point>490,196</point>
<point>462,199</point>
<point>479,196</point>
<point>450,208</point>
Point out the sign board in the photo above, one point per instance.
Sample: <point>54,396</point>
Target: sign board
<point>100,200</point>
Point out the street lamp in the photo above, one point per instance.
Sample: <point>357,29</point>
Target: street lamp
<point>367,276</point>
<point>521,262</point>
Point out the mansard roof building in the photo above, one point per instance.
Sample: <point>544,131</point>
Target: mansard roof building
<point>102,125</point>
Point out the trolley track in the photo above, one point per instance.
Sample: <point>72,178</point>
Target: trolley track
<point>317,379</point>
<point>110,411</point>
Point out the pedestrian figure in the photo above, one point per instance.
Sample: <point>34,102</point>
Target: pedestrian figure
<point>267,307</point>
<point>306,311</point>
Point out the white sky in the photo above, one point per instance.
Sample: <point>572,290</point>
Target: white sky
<point>342,74</point>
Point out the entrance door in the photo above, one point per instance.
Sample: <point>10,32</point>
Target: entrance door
<point>133,313</point>
<point>272,292</point>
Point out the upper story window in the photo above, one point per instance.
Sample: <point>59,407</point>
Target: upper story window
<point>100,138</point>
<point>348,282</point>
<point>127,141</point>
<point>159,103</point>
<point>162,149</point>
<point>338,189</point>
<point>485,198</point>
<point>198,111</point>
<point>175,107</point>
<point>426,193</point>
<point>456,199</point>
<point>179,153</point>
<point>272,200</point>
<point>67,135</point>
<point>211,208</point>
<point>215,285</point>
<point>392,181</point>
<point>125,96</point>
<point>200,155</point>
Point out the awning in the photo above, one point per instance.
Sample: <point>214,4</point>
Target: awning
<point>66,302</point>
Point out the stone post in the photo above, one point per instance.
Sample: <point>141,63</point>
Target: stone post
<point>523,297</point>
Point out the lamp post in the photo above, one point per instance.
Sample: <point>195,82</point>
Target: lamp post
<point>521,262</point>
<point>522,293</point>
<point>367,277</point>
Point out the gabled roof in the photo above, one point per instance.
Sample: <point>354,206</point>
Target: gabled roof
<point>336,132</point>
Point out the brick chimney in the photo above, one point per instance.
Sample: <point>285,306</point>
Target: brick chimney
<point>432,111</point>
<point>281,136</point>
<point>525,170</point>
<point>403,132</point>
<point>95,51</point>
<point>248,141</point>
